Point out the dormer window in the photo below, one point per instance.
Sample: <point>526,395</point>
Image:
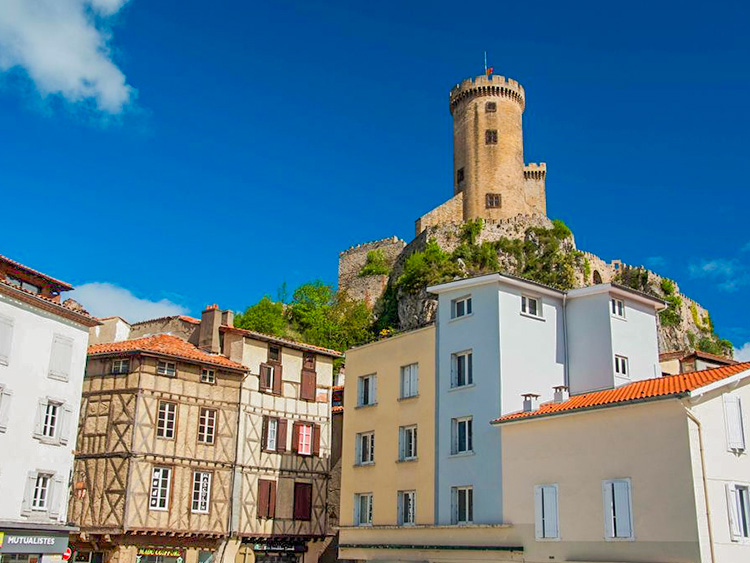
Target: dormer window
<point>24,285</point>
<point>274,354</point>
<point>461,307</point>
<point>617,307</point>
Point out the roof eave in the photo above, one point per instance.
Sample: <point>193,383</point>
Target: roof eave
<point>156,354</point>
<point>49,306</point>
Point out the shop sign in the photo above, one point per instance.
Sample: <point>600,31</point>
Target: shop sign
<point>280,548</point>
<point>160,551</point>
<point>32,542</point>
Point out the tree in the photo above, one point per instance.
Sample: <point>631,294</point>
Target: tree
<point>265,316</point>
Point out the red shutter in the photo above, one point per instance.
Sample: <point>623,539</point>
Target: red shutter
<point>272,499</point>
<point>295,437</point>
<point>316,439</point>
<point>264,435</point>
<point>302,501</point>
<point>309,385</point>
<point>263,496</point>
<point>262,383</point>
<point>281,435</point>
<point>277,379</point>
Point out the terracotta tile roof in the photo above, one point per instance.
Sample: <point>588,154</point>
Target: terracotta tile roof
<point>684,354</point>
<point>282,341</point>
<point>61,284</point>
<point>49,304</point>
<point>657,388</point>
<point>165,345</point>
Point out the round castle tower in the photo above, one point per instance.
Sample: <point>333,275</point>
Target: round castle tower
<point>488,166</point>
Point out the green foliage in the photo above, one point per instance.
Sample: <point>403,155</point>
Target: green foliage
<point>471,230</point>
<point>427,268</point>
<point>586,269</point>
<point>560,229</point>
<point>667,286</point>
<point>376,264</point>
<point>265,316</point>
<point>711,344</point>
<point>386,310</point>
<point>671,316</point>
<point>634,278</point>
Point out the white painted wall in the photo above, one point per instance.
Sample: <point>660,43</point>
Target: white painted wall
<point>26,377</point>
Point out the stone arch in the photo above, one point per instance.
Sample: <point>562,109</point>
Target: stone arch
<point>597,277</point>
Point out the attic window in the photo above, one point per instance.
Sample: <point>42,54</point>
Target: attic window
<point>274,354</point>
<point>490,107</point>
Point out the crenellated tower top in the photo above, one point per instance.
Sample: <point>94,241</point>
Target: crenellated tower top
<point>492,85</point>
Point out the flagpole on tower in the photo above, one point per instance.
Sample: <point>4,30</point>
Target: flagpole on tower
<point>485,63</point>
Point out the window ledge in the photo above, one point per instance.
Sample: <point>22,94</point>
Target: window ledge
<point>409,397</point>
<point>462,317</point>
<point>462,454</point>
<point>48,441</point>
<point>619,318</point>
<point>462,387</point>
<point>407,460</point>
<point>631,538</point>
<point>375,404</point>
<point>530,316</point>
<point>58,377</point>
<point>368,464</point>
<point>548,539</point>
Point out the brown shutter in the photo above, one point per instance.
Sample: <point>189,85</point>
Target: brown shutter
<point>263,497</point>
<point>295,437</point>
<point>281,435</point>
<point>302,501</point>
<point>277,379</point>
<point>264,435</point>
<point>309,385</point>
<point>262,383</point>
<point>272,499</point>
<point>316,439</point>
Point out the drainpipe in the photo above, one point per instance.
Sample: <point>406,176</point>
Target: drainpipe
<point>566,374</point>
<point>692,417</point>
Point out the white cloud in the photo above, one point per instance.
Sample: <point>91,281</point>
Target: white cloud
<point>108,300</point>
<point>63,46</point>
<point>714,268</point>
<point>742,354</point>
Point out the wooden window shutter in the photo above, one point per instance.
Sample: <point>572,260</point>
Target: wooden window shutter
<point>277,379</point>
<point>264,490</point>
<point>6,339</point>
<point>295,437</point>
<point>66,417</point>
<point>264,435</point>
<point>57,496</point>
<point>61,357</point>
<point>272,499</point>
<point>316,439</point>
<point>262,380</point>
<point>281,435</point>
<point>302,501</point>
<point>309,385</point>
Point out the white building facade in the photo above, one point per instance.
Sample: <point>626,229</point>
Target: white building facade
<point>42,361</point>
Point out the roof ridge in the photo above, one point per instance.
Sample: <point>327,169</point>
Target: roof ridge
<point>37,272</point>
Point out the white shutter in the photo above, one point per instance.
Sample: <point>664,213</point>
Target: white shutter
<point>622,509</point>
<point>40,412</point>
<point>415,381</point>
<point>538,513</point>
<point>734,521</point>
<point>454,505</point>
<point>360,391</point>
<point>550,511</point>
<point>6,339</point>
<point>61,357</point>
<point>374,390</point>
<point>66,415</point>
<point>401,443</point>
<point>733,415</point>
<point>358,449</point>
<point>609,529</point>
<point>28,493</point>
<point>5,395</point>
<point>56,496</point>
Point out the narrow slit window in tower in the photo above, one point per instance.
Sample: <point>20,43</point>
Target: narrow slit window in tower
<point>459,175</point>
<point>492,201</point>
<point>490,137</point>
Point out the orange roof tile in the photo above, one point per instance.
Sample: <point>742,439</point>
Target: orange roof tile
<point>48,304</point>
<point>657,388</point>
<point>61,284</point>
<point>282,341</point>
<point>165,345</point>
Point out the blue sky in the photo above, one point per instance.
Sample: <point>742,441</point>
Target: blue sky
<point>177,155</point>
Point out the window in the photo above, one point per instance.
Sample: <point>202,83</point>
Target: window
<point>365,448</point>
<point>274,354</point>
<point>545,511</point>
<point>5,396</point>
<point>490,107</point>
<point>462,435</point>
<point>161,478</point>
<point>308,361</point>
<point>407,507</point>
<point>738,503</point>
<point>266,377</point>
<point>409,381</point>
<point>367,391</point>
<point>621,366</point>
<point>201,492</point>
<point>463,505</point>
<point>166,368</point>
<point>40,497</point>
<point>459,175</point>
<point>305,438</point>
<point>120,366</point>
<point>490,137</point>
<point>61,357</point>
<point>207,426</point>
<point>734,426</point>
<point>460,307</point>
<point>272,430</point>
<point>363,509</point>
<point>22,284</point>
<point>302,501</point>
<point>274,434</point>
<point>407,443</point>
<point>52,421</point>
<point>165,422</point>
<point>304,444</point>
<point>618,307</point>
<point>208,376</point>
<point>617,521</point>
<point>15,282</point>
<point>49,426</point>
<point>6,339</point>
<point>531,306</point>
<point>493,201</point>
<point>266,498</point>
<point>462,369</point>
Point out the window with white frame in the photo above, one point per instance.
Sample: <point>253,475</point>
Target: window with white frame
<point>51,417</point>
<point>621,366</point>
<point>365,448</point>
<point>462,369</point>
<point>304,446</point>
<point>272,434</point>
<point>120,366</point>
<point>407,508</point>
<point>208,376</point>
<point>407,443</point>
<point>463,505</point>
<point>618,523</point>
<point>462,435</point>
<point>267,373</point>
<point>166,368</point>
<point>617,306</point>
<point>207,426</point>
<point>44,493</point>
<point>367,391</point>
<point>201,492</point>
<point>738,504</point>
<point>40,497</point>
<point>531,306</point>
<point>363,509</point>
<point>733,422</point>
<point>409,381</point>
<point>61,357</point>
<point>52,421</point>
<point>461,307</point>
<point>161,481</point>
<point>166,419</point>
<point>545,512</point>
<point>6,339</point>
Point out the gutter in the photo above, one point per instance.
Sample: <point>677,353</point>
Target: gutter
<point>704,478</point>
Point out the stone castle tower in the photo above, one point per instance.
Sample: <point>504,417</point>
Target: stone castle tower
<point>490,180</point>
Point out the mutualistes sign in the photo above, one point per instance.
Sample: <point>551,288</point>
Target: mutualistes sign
<point>15,541</point>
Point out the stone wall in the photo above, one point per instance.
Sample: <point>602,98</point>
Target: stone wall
<point>451,212</point>
<point>351,261</point>
<point>183,327</point>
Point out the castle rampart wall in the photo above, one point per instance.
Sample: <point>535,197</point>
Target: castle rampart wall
<point>351,262</point>
<point>452,211</point>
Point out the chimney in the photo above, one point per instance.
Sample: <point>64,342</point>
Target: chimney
<point>530,402</point>
<point>561,393</point>
<point>227,318</point>
<point>209,331</point>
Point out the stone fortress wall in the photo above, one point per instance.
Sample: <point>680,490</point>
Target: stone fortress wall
<point>351,261</point>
